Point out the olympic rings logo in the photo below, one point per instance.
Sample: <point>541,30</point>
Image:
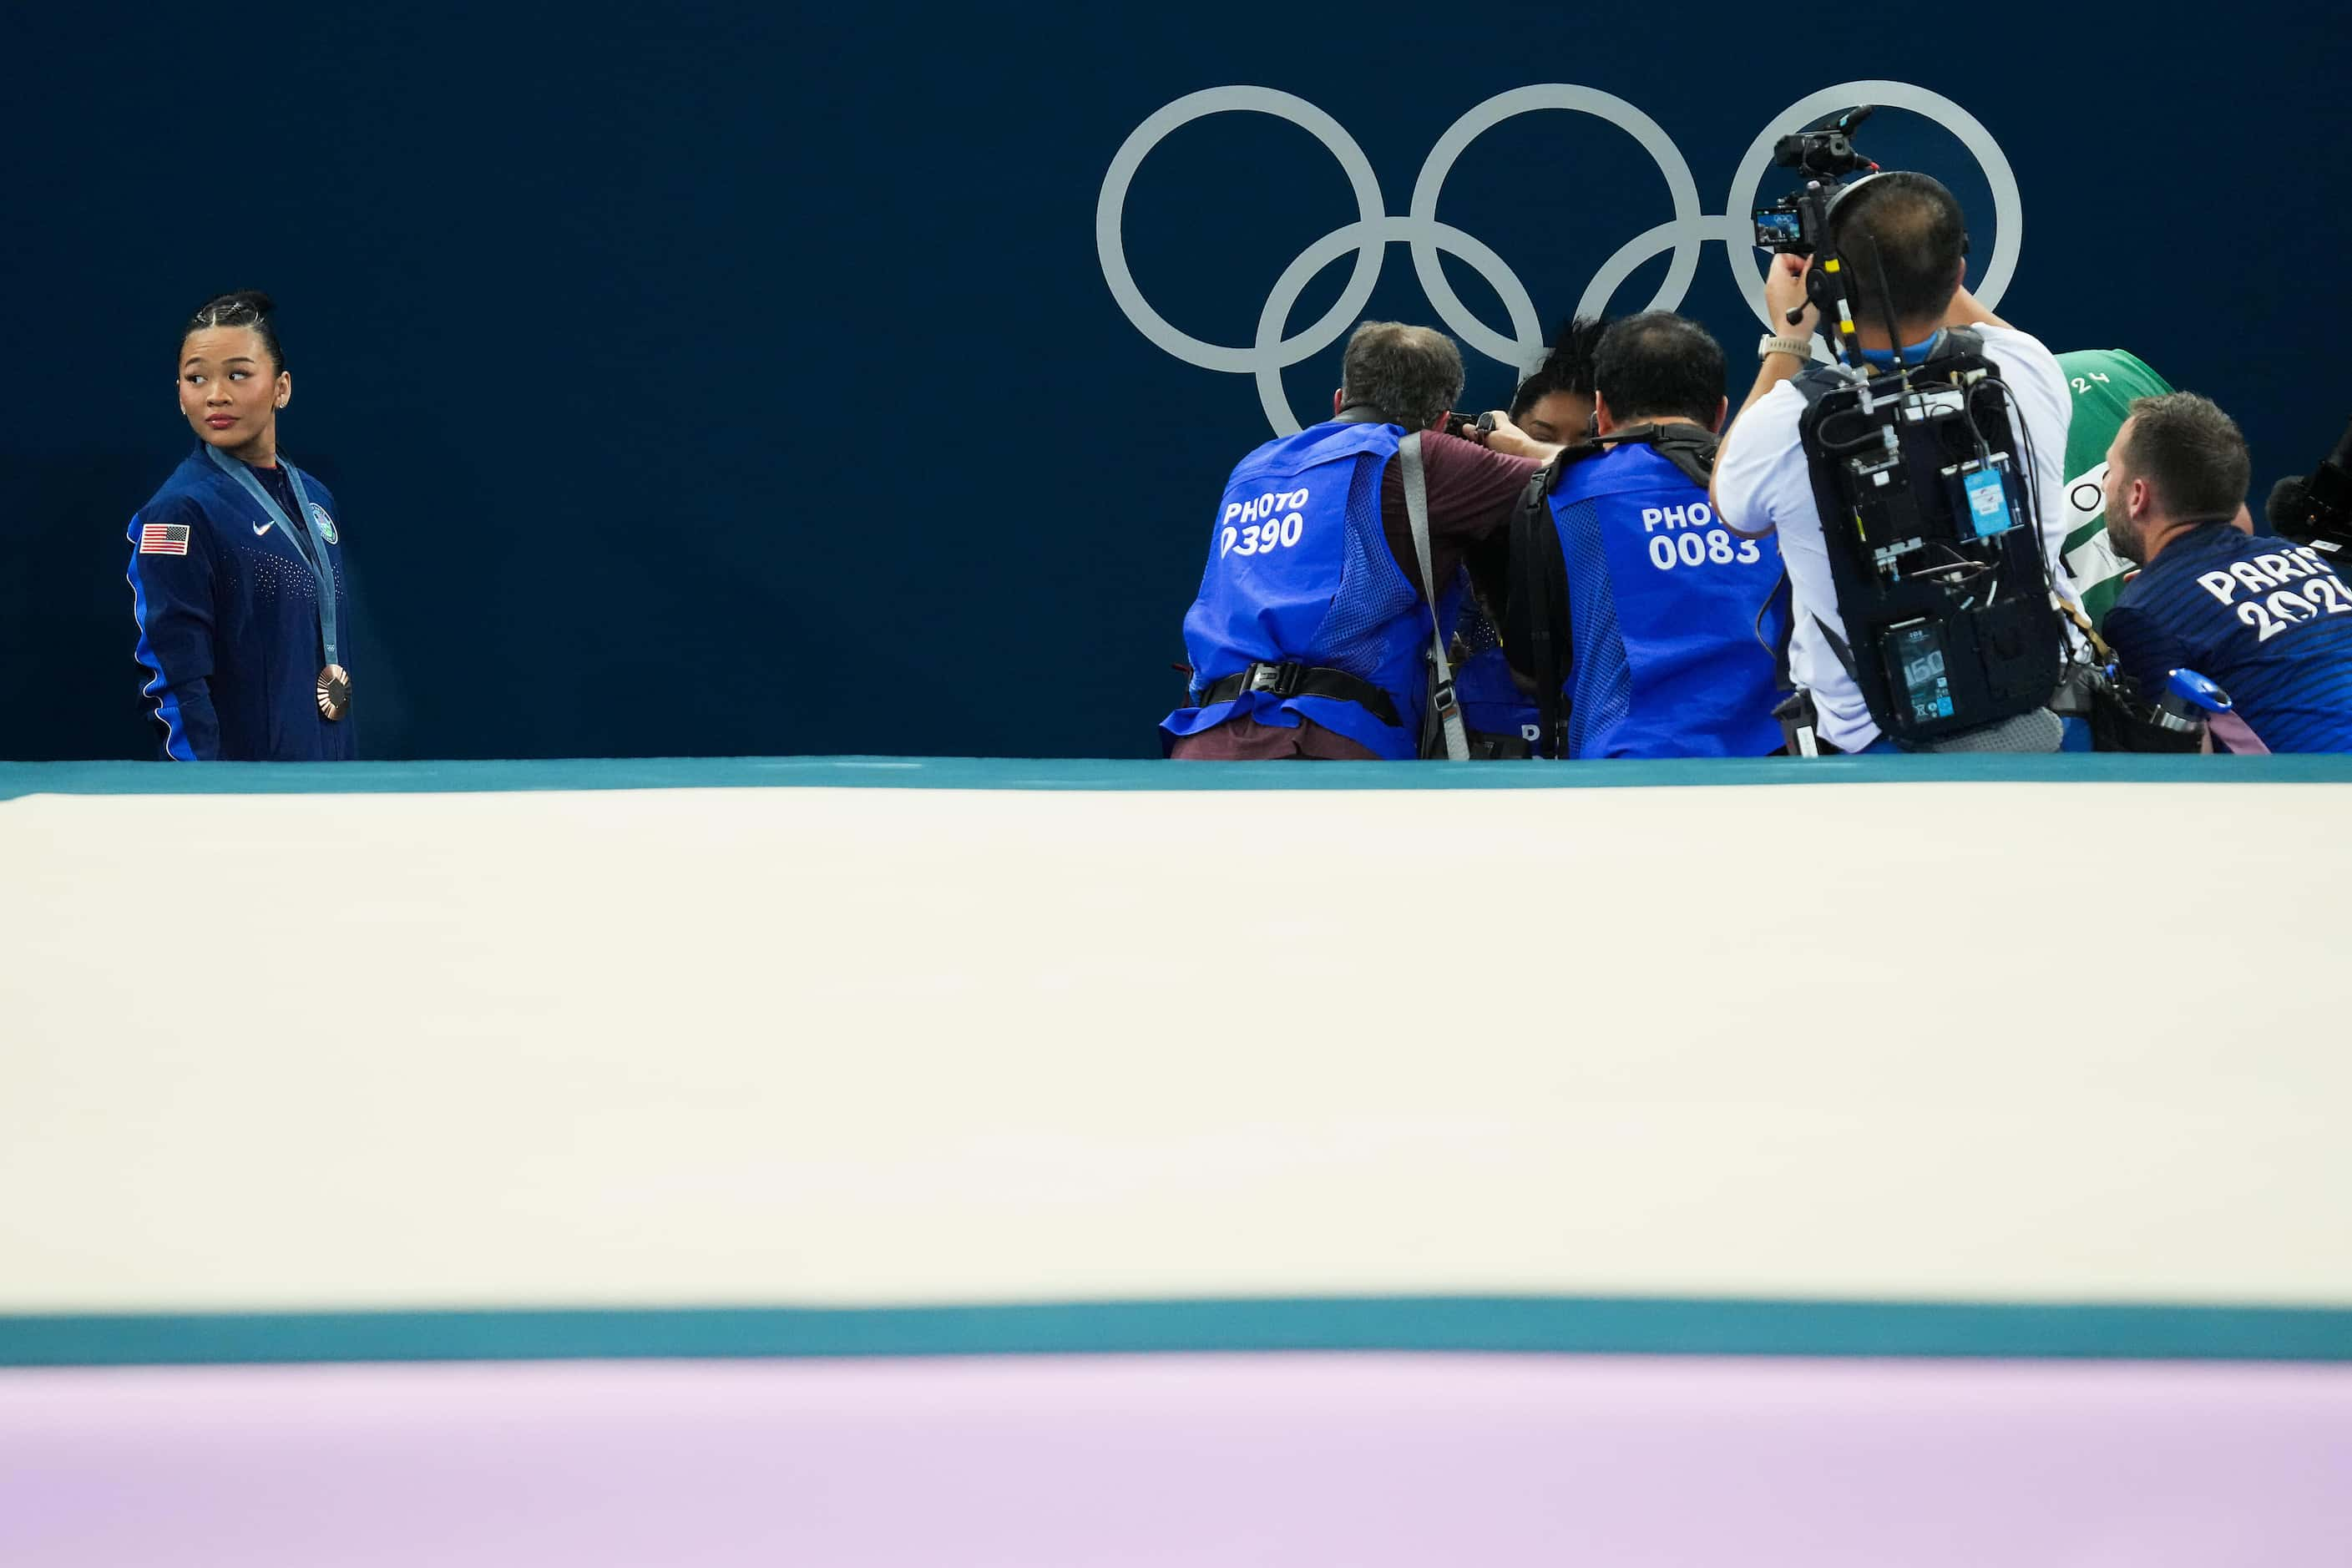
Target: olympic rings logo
<point>1686,235</point>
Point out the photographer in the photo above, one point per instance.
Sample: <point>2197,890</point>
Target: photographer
<point>1910,226</point>
<point>1629,603</point>
<point>1554,403</point>
<point>2271,622</point>
<point>1311,632</point>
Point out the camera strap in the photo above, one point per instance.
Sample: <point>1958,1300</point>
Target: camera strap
<point>1443,702</point>
<point>2100,652</point>
<point>1538,610</point>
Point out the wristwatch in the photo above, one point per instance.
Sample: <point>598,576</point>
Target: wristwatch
<point>1768,345</point>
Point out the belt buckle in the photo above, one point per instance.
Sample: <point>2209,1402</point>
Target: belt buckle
<point>1276,680</point>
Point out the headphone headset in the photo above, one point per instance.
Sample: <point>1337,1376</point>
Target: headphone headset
<point>1843,200</point>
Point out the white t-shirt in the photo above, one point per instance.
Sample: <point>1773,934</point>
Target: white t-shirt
<point>1763,487</point>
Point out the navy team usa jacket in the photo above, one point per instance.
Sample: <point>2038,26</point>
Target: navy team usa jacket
<point>228,608</point>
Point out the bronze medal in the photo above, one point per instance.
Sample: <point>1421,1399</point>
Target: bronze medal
<point>334,692</point>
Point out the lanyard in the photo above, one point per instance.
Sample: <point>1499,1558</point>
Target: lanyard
<point>322,569</point>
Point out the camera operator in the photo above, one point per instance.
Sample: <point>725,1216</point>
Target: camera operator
<point>2270,621</point>
<point>1913,229</point>
<point>1630,603</point>
<point>1311,632</point>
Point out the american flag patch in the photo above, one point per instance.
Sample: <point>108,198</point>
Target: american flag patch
<point>164,539</point>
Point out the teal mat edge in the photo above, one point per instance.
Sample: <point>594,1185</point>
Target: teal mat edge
<point>21,778</point>
<point>1613,1326</point>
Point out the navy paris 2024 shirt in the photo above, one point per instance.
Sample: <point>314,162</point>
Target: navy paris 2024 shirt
<point>2270,621</point>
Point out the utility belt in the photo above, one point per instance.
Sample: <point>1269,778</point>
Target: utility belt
<point>2119,720</point>
<point>2041,730</point>
<point>1304,680</point>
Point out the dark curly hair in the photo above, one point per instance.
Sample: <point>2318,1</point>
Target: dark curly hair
<point>1567,368</point>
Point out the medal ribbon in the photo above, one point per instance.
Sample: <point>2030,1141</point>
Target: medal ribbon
<point>320,567</point>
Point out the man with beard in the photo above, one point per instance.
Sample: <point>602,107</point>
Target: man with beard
<point>2270,622</point>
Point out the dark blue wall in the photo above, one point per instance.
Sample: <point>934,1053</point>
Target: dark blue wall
<point>712,380</point>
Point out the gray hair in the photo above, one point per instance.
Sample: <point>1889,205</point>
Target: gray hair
<point>1411,375</point>
<point>2190,453</point>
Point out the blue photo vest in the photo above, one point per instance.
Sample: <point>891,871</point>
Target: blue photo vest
<point>1492,702</point>
<point>1662,600</point>
<point>1300,571</point>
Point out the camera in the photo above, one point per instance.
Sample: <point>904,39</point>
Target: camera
<point>1462,425</point>
<point>1825,155</point>
<point>2316,509</point>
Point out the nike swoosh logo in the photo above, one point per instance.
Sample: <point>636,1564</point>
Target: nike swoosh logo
<point>261,528</point>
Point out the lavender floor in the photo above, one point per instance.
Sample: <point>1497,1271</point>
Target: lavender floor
<point>1356,1459</point>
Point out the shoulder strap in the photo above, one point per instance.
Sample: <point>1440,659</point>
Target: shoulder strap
<point>1816,382</point>
<point>1537,571</point>
<point>1837,644</point>
<point>1813,383</point>
<point>1691,449</point>
<point>1416,510</point>
<point>1783,594</point>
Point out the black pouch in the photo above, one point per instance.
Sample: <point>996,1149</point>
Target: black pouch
<point>2116,725</point>
<point>1800,725</point>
